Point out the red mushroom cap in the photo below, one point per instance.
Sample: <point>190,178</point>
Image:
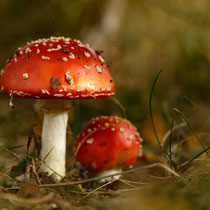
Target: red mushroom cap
<point>57,67</point>
<point>106,143</point>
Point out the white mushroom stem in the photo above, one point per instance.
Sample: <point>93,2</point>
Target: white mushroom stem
<point>53,150</point>
<point>110,175</point>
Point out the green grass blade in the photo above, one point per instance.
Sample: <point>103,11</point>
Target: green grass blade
<point>170,139</point>
<point>184,118</point>
<point>4,148</point>
<point>197,107</point>
<point>179,155</point>
<point>152,119</point>
<point>199,154</point>
<point>15,147</point>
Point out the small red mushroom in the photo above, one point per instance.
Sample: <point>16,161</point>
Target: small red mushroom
<point>56,68</point>
<point>108,143</point>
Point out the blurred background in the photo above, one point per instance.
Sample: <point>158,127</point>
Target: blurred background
<point>138,38</point>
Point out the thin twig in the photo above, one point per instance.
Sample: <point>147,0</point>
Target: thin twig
<point>32,201</point>
<point>10,178</point>
<point>98,188</point>
<point>176,127</point>
<point>98,178</point>
<point>15,154</point>
<point>42,162</point>
<point>35,172</point>
<point>45,157</point>
<point>160,177</point>
<point>83,140</point>
<point>121,107</point>
<point>134,182</point>
<point>127,183</point>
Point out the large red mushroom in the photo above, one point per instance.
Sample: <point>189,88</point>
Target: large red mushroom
<point>107,144</point>
<point>51,70</point>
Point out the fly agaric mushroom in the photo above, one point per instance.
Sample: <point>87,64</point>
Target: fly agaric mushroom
<point>107,144</point>
<point>56,68</point>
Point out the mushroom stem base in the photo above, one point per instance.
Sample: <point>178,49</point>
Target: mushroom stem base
<point>53,152</point>
<point>109,173</point>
